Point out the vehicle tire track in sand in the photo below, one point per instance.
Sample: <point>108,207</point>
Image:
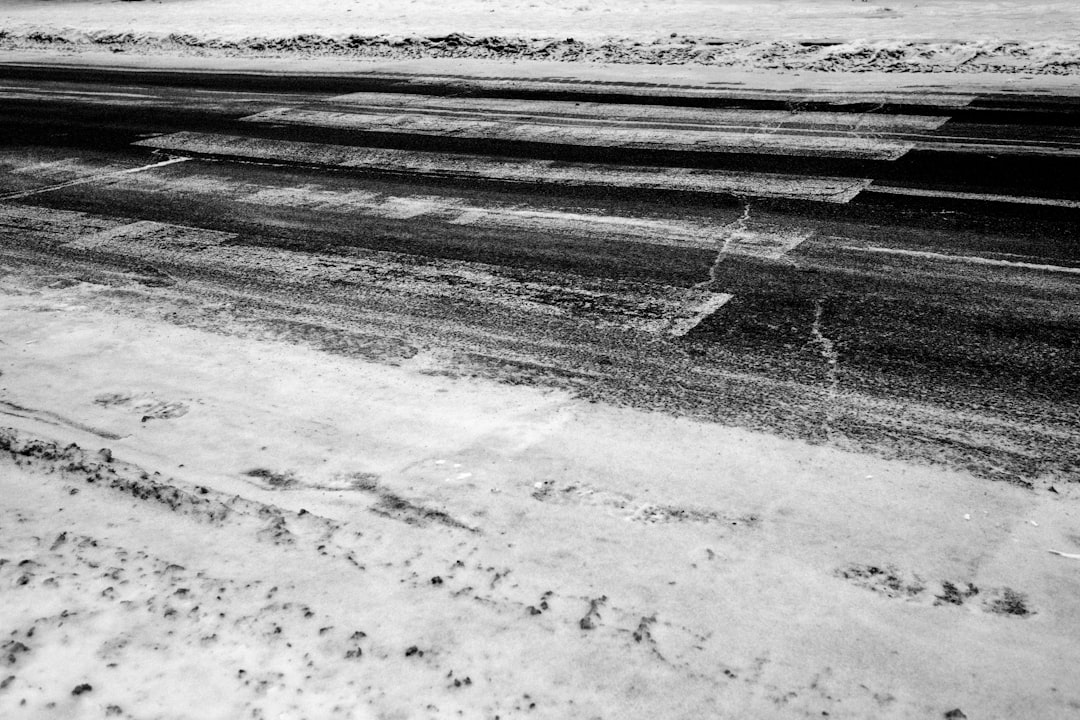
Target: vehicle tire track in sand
<point>172,608</point>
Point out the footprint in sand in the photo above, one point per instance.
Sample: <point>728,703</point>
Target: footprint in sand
<point>891,582</point>
<point>146,405</point>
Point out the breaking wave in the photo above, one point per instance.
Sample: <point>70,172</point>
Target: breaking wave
<point>1044,58</point>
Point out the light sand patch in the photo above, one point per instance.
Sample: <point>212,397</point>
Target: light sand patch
<point>755,139</point>
<point>154,233</point>
<point>511,170</point>
<point>626,114</point>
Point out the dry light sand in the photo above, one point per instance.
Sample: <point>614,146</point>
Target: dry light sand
<point>201,526</point>
<point>766,20</point>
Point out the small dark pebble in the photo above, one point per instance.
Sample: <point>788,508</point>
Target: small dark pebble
<point>1054,490</point>
<point>955,714</point>
<point>6,681</point>
<point>13,648</point>
<point>436,580</point>
<point>533,611</point>
<point>413,650</point>
<point>80,689</point>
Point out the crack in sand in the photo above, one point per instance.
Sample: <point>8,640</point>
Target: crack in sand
<point>731,232</point>
<point>92,179</point>
<point>680,327</point>
<point>864,116</point>
<point>832,360</point>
